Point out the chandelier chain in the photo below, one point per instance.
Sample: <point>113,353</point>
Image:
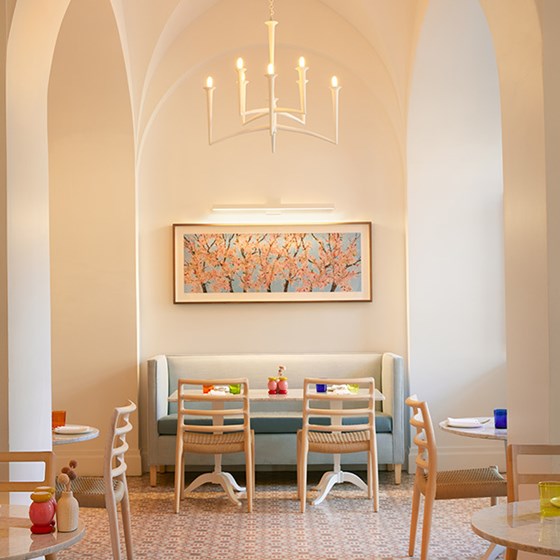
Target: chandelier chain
<point>271,8</point>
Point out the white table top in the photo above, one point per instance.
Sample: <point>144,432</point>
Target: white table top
<point>61,439</point>
<point>519,525</point>
<point>17,542</point>
<point>486,431</point>
<point>261,395</point>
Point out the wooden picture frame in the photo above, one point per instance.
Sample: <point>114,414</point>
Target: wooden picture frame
<point>226,263</point>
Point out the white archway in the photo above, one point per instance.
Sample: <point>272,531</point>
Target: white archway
<point>33,32</point>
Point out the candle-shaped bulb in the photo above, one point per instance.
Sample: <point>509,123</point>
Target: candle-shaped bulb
<point>209,82</point>
<point>270,69</point>
<point>334,82</point>
<point>239,63</point>
<point>301,62</point>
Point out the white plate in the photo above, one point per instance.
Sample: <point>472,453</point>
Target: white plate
<point>465,422</point>
<point>72,429</point>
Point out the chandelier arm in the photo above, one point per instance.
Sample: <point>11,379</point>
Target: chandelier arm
<point>255,118</point>
<point>272,112</point>
<point>287,128</point>
<point>257,113</point>
<point>240,133</point>
<point>290,115</point>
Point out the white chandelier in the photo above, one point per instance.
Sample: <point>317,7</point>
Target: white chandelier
<point>273,111</point>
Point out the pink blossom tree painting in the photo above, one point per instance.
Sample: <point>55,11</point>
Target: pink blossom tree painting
<point>300,262</point>
<point>273,262</point>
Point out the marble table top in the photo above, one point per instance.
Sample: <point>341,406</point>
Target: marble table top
<point>60,439</point>
<point>486,431</point>
<point>17,542</point>
<point>519,525</point>
<point>255,395</point>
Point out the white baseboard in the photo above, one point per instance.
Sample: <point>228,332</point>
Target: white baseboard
<point>452,458</point>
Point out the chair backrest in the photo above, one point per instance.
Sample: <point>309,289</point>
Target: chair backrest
<point>117,446</point>
<point>209,412</point>
<point>319,407</point>
<point>425,440</point>
<point>529,464</point>
<point>28,457</point>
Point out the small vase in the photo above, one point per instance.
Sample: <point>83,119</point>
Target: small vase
<point>282,385</point>
<point>272,385</point>
<point>41,512</point>
<point>67,513</point>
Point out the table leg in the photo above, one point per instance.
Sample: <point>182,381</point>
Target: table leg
<point>337,475</point>
<point>224,479</point>
<point>493,551</point>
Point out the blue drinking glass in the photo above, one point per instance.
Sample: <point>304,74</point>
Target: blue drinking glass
<point>500,418</point>
<point>321,387</point>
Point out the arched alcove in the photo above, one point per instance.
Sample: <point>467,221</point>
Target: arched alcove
<point>32,36</point>
<point>527,45</point>
<point>454,224</point>
<point>93,226</point>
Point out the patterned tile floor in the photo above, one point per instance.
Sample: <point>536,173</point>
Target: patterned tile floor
<point>343,527</point>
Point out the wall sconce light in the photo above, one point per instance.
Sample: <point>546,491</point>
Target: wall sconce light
<point>272,209</point>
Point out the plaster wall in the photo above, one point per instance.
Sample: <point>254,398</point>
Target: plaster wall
<point>529,88</point>
<point>180,178</point>
<point>27,225</point>
<point>93,246</point>
<point>457,356</point>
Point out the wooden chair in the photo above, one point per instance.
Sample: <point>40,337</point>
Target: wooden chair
<point>443,485</point>
<point>46,479</point>
<point>341,435</point>
<point>520,475</point>
<point>214,424</point>
<point>111,489</point>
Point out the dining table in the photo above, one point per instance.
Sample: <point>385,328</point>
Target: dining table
<point>484,429</point>
<point>73,433</point>
<point>519,526</point>
<point>17,542</point>
<point>294,395</point>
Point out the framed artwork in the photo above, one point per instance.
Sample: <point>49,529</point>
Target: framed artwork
<point>272,263</point>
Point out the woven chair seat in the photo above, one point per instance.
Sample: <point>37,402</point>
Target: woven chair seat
<point>338,442</point>
<point>469,483</point>
<point>90,491</point>
<point>198,442</point>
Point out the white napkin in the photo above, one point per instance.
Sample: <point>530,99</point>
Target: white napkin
<point>219,390</point>
<point>339,389</point>
<point>464,423</point>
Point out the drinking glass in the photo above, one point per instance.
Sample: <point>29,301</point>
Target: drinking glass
<point>549,493</point>
<point>500,418</point>
<point>58,418</point>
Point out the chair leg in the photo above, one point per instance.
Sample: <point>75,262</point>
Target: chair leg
<point>127,529</point>
<point>427,523</point>
<point>179,474</point>
<point>374,472</point>
<point>249,474</point>
<point>302,459</point>
<point>298,465</point>
<point>373,480</point>
<point>414,519</point>
<point>369,475</point>
<point>114,528</point>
